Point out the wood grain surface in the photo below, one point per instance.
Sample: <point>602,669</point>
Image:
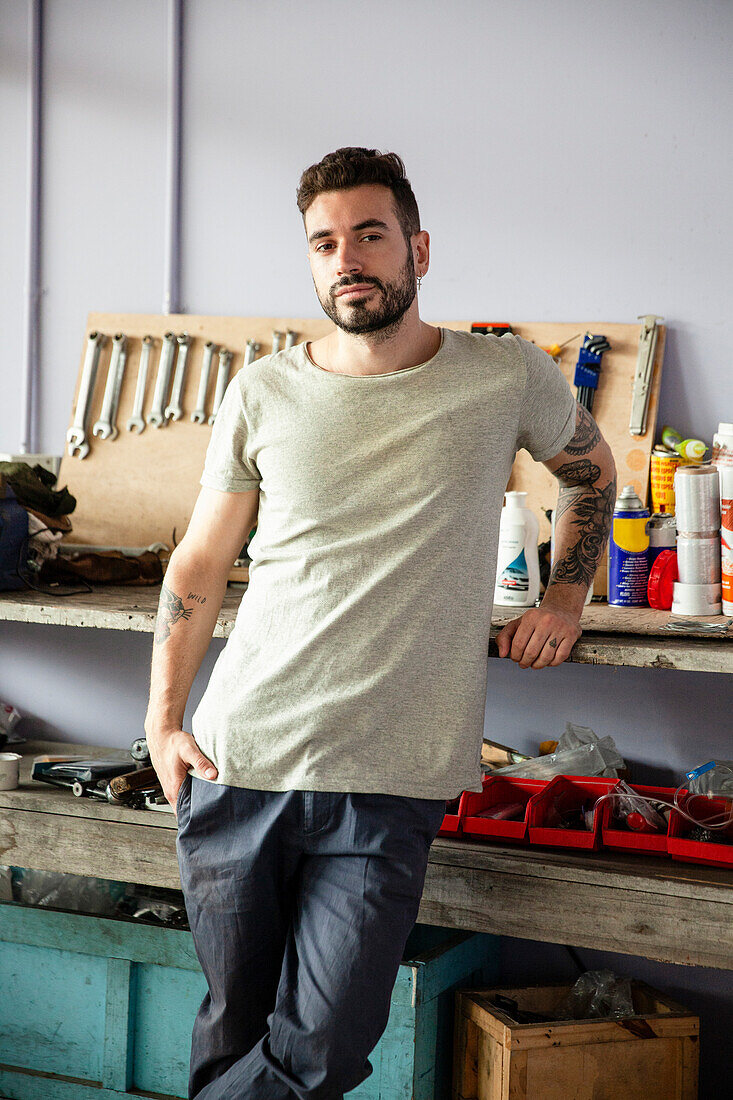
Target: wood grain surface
<point>673,912</point>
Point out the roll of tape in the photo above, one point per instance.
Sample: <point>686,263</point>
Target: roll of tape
<point>697,499</point>
<point>698,560</point>
<point>696,599</point>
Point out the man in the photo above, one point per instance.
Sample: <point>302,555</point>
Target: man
<point>348,703</point>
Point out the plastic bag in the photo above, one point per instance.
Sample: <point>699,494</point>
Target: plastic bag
<point>63,891</point>
<point>600,757</point>
<point>713,778</point>
<point>574,736</point>
<point>627,802</point>
<point>596,994</point>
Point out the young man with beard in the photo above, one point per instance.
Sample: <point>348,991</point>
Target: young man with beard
<point>348,703</point>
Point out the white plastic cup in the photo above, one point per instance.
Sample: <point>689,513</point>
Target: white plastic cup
<point>9,770</point>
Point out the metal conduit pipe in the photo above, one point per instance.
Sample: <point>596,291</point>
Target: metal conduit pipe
<point>172,286</point>
<point>31,334</point>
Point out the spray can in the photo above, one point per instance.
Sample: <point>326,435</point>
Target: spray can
<point>628,552</point>
<point>662,528</point>
<point>518,567</point>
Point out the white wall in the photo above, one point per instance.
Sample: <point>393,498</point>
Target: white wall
<point>572,160</point>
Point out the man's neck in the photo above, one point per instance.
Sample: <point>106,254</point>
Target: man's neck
<point>412,343</point>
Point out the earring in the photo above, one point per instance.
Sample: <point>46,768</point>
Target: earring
<point>419,281</point>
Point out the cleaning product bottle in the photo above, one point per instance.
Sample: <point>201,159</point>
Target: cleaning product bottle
<point>518,566</point>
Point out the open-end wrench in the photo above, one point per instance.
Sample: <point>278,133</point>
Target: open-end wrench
<point>173,410</point>
<point>199,414</point>
<point>105,426</point>
<point>277,339</point>
<point>121,363</point>
<point>136,422</point>
<point>156,416</point>
<point>76,436</point>
<point>222,380</point>
<point>290,338</point>
<point>250,351</point>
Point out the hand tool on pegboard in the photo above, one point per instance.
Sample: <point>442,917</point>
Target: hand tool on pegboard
<point>491,328</point>
<point>588,368</point>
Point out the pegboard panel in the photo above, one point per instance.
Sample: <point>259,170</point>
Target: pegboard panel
<point>136,489</point>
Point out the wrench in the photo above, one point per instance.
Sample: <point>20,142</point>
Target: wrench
<point>252,348</point>
<point>76,436</point>
<point>276,341</point>
<point>156,416</point>
<point>199,416</point>
<point>105,426</point>
<point>136,422</point>
<point>290,338</point>
<point>118,386</point>
<point>174,411</point>
<point>222,379</point>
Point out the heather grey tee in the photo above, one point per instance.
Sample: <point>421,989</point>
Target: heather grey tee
<point>358,660</point>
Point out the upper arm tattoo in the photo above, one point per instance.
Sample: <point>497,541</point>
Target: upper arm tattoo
<point>586,435</point>
<point>170,611</point>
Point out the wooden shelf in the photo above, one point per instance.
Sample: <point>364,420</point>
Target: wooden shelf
<point>638,638</point>
<point>672,912</point>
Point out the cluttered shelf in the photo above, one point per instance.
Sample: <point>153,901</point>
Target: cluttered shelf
<point>637,637</point>
<point>636,905</point>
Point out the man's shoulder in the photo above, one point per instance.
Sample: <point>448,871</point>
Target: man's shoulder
<point>485,346</point>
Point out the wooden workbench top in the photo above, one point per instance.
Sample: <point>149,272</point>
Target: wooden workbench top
<point>637,637</point>
<point>673,912</point>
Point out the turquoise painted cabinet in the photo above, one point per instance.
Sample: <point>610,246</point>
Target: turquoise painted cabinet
<point>100,1007</point>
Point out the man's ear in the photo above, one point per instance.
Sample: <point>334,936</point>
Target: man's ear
<point>421,247</point>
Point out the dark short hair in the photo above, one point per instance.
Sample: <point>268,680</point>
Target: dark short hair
<point>351,167</point>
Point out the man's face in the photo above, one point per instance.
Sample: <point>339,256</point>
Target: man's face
<point>363,269</point>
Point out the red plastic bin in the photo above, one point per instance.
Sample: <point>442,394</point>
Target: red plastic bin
<point>572,792</point>
<point>646,843</point>
<point>453,818</point>
<point>498,789</point>
<point>700,851</point>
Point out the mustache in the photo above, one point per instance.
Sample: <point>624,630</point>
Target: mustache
<point>354,282</point>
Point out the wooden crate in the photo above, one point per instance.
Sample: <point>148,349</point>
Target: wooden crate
<point>650,1056</point>
<point>100,1007</point>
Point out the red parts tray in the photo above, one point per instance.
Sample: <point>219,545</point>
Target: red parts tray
<point>497,791</point>
<point>615,836</point>
<point>562,796</point>
<point>682,848</point>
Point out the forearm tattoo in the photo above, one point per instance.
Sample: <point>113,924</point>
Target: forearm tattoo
<point>586,435</point>
<point>170,611</point>
<point>590,512</point>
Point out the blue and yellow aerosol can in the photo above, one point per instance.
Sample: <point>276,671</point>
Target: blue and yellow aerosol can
<point>628,552</point>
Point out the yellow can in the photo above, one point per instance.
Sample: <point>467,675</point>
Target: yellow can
<point>663,466</point>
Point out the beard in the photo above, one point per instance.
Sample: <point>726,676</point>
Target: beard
<point>358,318</point>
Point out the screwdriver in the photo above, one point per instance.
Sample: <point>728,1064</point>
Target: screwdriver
<point>555,349</point>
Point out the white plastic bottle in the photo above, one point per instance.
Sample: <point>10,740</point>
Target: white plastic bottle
<point>518,565</point>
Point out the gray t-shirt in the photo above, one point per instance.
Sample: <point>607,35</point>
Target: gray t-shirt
<point>358,660</point>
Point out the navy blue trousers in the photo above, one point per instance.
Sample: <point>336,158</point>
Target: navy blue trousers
<point>300,903</point>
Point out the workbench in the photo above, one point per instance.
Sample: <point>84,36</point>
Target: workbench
<point>656,908</point>
<point>634,637</point>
